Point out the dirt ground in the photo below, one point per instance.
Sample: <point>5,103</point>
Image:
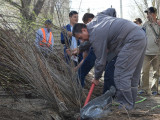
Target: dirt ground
<point>37,109</point>
<point>34,109</point>
<point>146,108</point>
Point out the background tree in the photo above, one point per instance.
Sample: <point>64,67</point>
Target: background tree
<point>140,6</point>
<point>31,11</point>
<point>28,10</point>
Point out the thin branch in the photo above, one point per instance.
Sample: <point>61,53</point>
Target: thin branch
<point>146,4</point>
<point>140,8</point>
<point>38,6</point>
<point>37,9</point>
<point>14,4</point>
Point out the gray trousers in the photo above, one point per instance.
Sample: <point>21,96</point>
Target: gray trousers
<point>128,68</point>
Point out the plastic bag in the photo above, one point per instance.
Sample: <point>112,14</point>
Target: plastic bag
<point>98,107</point>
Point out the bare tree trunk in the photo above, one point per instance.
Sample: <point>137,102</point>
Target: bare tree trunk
<point>25,11</point>
<point>28,15</point>
<point>153,3</point>
<point>37,9</point>
<point>158,7</point>
<point>52,6</point>
<point>146,4</point>
<point>140,8</point>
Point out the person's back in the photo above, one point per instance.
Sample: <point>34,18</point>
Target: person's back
<point>112,24</point>
<point>116,28</point>
<point>128,41</point>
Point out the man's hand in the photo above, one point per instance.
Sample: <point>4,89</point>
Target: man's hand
<point>85,54</point>
<point>68,52</point>
<point>75,68</point>
<point>96,82</point>
<point>75,51</point>
<point>69,34</point>
<point>158,22</point>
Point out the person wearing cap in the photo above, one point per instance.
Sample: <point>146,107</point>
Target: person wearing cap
<point>69,41</point>
<point>122,38</point>
<point>138,21</point>
<point>152,28</point>
<point>44,38</point>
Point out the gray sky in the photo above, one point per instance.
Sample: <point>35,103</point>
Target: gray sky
<point>96,6</point>
<point>129,7</point>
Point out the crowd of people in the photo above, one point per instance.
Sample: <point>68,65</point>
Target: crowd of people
<point>120,48</point>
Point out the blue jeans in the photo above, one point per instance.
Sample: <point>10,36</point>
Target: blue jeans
<point>66,56</point>
<point>86,66</point>
<point>109,75</point>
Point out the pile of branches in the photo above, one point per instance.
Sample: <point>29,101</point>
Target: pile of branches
<point>50,77</point>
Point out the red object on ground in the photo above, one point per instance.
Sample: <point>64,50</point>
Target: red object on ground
<point>89,94</point>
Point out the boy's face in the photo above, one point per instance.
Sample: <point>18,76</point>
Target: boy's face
<point>138,23</point>
<point>74,19</point>
<point>84,36</point>
<point>89,20</point>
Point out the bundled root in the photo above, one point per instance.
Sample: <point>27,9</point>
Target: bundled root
<point>50,77</point>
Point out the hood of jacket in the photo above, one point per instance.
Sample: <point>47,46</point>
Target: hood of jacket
<point>109,12</point>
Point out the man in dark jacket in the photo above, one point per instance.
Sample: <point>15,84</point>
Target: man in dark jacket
<point>122,38</point>
<point>68,40</point>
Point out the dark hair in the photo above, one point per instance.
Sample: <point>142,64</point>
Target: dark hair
<point>48,22</point>
<point>72,13</point>
<point>138,20</point>
<point>151,10</point>
<point>86,16</point>
<point>77,28</point>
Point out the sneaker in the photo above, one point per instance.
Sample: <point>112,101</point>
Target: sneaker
<point>154,93</point>
<point>140,92</point>
<point>144,92</point>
